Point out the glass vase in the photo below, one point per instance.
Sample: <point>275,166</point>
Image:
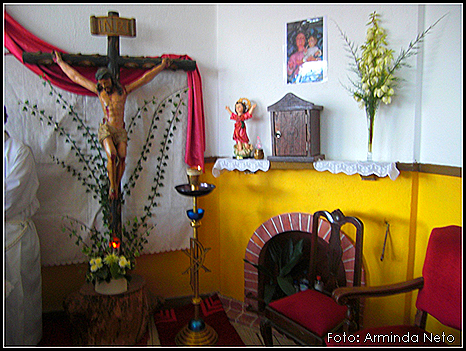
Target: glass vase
<point>370,133</point>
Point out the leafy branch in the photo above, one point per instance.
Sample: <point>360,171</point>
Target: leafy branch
<point>92,172</point>
<point>85,160</point>
<point>279,273</point>
<point>374,66</point>
<point>90,137</point>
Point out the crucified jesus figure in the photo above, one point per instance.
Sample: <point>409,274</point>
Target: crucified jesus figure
<point>112,95</point>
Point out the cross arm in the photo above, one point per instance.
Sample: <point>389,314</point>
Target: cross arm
<point>41,58</point>
<point>46,59</point>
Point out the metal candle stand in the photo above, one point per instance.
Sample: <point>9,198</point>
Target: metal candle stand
<point>196,332</point>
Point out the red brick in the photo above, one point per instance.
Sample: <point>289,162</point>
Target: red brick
<point>251,257</point>
<point>259,239</point>
<point>251,285</point>
<point>271,228</point>
<point>253,248</point>
<point>250,276</point>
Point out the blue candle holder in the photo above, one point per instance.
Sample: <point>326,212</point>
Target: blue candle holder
<point>196,332</point>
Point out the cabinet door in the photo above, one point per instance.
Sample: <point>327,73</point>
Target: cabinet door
<point>290,133</point>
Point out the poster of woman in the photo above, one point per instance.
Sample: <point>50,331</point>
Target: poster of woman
<point>306,51</point>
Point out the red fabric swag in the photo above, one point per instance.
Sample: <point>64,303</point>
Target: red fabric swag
<point>18,40</point>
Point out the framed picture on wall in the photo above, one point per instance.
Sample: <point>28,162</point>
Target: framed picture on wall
<point>306,51</point>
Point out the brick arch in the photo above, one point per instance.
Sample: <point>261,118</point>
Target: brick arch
<point>283,223</point>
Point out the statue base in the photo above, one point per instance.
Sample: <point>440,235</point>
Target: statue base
<point>196,333</point>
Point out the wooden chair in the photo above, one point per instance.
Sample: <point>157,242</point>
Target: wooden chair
<point>440,295</point>
<point>309,315</point>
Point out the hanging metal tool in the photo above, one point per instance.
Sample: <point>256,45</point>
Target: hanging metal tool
<point>385,240</point>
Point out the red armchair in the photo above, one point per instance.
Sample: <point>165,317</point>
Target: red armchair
<point>440,295</point>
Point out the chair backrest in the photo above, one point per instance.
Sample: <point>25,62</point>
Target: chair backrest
<point>337,219</point>
<point>441,294</point>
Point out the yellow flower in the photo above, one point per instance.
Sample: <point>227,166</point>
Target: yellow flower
<point>110,259</point>
<point>95,263</point>
<point>123,262</point>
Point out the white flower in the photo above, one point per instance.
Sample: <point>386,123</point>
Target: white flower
<point>123,262</point>
<point>387,100</point>
<point>374,66</point>
<point>95,263</point>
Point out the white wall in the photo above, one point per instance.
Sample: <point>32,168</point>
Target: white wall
<point>239,51</point>
<point>160,29</point>
<point>441,131</point>
<point>250,64</point>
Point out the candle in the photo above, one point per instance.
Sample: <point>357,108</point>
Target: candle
<point>193,176</point>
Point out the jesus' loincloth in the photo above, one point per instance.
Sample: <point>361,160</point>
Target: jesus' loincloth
<point>118,135</point>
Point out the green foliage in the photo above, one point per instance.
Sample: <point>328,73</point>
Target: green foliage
<point>374,66</point>
<point>91,172</point>
<point>104,264</point>
<point>285,258</point>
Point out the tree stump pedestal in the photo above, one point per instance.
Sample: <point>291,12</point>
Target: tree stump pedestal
<point>120,319</point>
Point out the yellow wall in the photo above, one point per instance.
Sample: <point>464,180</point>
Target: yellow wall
<point>440,204</point>
<point>247,200</point>
<point>412,204</point>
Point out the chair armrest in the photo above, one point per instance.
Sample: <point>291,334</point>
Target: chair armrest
<point>342,295</point>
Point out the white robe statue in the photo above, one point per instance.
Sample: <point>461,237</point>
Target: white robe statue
<point>23,284</point>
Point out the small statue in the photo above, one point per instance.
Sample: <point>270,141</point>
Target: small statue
<point>243,109</point>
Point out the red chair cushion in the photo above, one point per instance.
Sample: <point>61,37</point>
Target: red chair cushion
<point>400,335</point>
<point>313,310</point>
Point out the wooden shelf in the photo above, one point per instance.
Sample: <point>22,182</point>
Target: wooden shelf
<point>403,167</point>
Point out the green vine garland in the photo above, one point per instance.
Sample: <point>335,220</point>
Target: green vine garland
<point>92,174</point>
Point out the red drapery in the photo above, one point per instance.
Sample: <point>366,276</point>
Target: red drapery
<point>18,40</point>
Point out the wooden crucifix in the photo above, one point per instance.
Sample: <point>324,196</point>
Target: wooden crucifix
<point>113,26</point>
<point>112,95</point>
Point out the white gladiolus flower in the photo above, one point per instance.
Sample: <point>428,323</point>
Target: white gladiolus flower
<point>373,65</point>
<point>387,100</point>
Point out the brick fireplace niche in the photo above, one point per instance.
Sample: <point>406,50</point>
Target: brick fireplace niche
<point>295,221</point>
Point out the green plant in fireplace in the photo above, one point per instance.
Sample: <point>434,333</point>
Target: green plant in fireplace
<point>279,275</point>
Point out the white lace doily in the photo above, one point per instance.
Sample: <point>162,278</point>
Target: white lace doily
<point>364,168</point>
<point>244,165</point>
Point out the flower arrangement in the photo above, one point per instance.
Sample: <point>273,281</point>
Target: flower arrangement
<point>111,257</point>
<point>375,69</point>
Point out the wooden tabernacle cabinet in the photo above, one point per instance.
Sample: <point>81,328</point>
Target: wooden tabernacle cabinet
<point>295,125</point>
